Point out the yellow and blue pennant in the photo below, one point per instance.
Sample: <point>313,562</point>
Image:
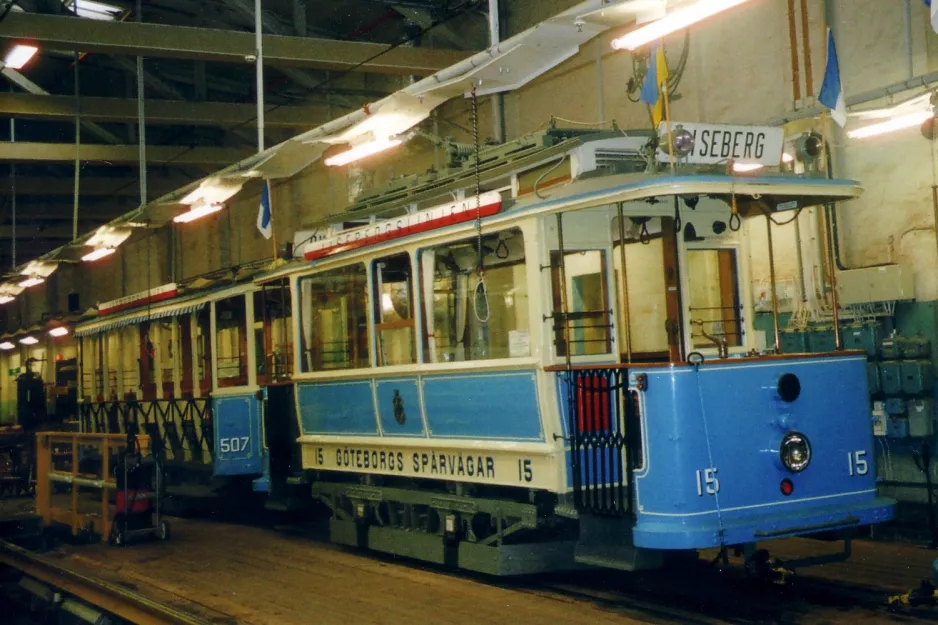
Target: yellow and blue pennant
<point>651,89</point>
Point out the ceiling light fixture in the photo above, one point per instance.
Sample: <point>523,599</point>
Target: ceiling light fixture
<point>33,281</point>
<point>6,299</point>
<point>29,340</point>
<point>196,212</point>
<point>59,331</point>
<point>98,253</point>
<point>909,120</point>
<point>672,22</point>
<point>361,151</point>
<point>19,56</point>
<point>7,345</point>
<point>94,10</point>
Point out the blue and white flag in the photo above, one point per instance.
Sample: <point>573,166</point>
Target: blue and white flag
<point>832,91</point>
<point>264,223</point>
<point>933,9</point>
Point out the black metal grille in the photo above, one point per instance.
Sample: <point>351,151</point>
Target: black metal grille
<point>605,439</point>
<point>179,429</point>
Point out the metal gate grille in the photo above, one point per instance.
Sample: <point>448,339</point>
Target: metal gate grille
<point>601,407</point>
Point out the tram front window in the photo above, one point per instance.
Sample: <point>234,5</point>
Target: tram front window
<point>469,319</point>
<point>714,305</point>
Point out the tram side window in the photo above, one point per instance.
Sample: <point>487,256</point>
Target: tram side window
<point>231,342</point>
<point>714,297</point>
<point>334,309</point>
<point>273,333</point>
<point>587,303</point>
<point>466,320</point>
<point>394,310</point>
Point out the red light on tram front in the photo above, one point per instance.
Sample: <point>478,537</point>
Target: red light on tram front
<point>787,487</point>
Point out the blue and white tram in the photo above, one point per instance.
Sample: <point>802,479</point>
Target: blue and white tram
<point>564,370</point>
<point>186,365</point>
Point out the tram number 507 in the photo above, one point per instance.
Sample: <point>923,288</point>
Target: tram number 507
<point>234,444</point>
<point>707,482</point>
<point>856,463</point>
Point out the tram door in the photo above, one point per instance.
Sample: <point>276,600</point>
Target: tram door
<point>646,296</point>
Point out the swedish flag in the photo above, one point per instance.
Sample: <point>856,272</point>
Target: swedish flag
<point>651,90</point>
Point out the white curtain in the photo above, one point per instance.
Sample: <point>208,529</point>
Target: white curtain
<point>306,321</point>
<point>462,301</point>
<point>428,272</point>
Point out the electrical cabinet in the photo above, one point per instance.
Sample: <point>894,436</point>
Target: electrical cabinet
<point>793,342</point>
<point>918,376</point>
<point>895,406</point>
<point>897,427</point>
<point>821,340</point>
<point>865,337</point>
<point>889,283</point>
<point>890,376</point>
<point>921,417</point>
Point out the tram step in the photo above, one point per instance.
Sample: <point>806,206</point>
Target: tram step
<point>607,543</point>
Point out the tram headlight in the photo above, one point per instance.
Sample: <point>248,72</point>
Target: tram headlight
<point>795,452</point>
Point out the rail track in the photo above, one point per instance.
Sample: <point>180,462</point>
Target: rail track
<point>79,593</point>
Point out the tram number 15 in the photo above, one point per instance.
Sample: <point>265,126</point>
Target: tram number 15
<point>707,482</point>
<point>856,463</point>
<point>234,444</point>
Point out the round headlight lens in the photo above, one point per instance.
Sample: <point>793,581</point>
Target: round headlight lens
<point>795,452</point>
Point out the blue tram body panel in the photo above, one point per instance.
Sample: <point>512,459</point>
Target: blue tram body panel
<point>501,406</point>
<point>727,423</point>
<point>399,407</point>
<point>238,444</point>
<point>485,406</point>
<point>337,408</point>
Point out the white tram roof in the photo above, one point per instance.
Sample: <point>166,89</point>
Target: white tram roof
<point>781,192</point>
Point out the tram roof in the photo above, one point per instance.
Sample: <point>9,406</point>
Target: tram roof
<point>776,192</point>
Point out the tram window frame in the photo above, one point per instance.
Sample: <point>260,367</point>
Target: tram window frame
<point>385,309</point>
<point>241,342</point>
<point>731,270</point>
<point>356,335</point>
<point>270,354</point>
<point>498,257</point>
<point>559,318</point>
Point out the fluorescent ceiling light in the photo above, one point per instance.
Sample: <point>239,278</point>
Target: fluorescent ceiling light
<point>29,340</point>
<point>200,210</point>
<point>6,299</point>
<point>896,123</point>
<point>94,10</point>
<point>60,331</point>
<point>7,345</point>
<point>676,20</point>
<point>19,56</point>
<point>98,253</point>
<point>28,282</point>
<point>742,167</point>
<point>361,151</point>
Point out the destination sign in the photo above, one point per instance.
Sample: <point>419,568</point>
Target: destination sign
<point>715,144</point>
